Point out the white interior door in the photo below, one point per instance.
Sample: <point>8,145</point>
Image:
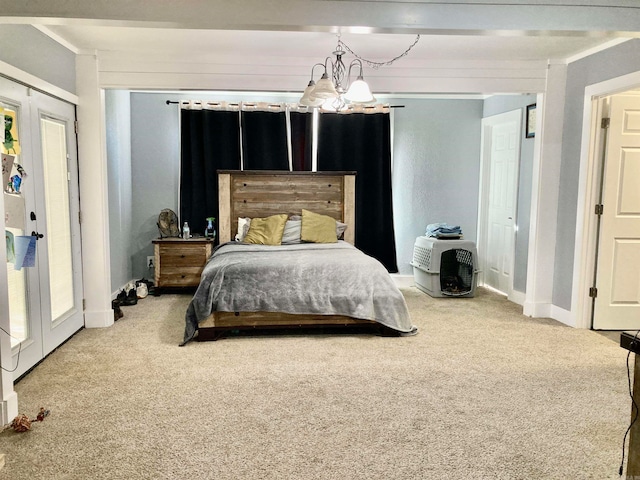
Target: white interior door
<point>500,189</point>
<point>617,305</point>
<point>45,300</point>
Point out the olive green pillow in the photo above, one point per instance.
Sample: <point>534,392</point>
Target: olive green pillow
<point>266,231</point>
<point>318,228</point>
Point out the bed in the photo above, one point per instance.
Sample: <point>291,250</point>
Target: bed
<point>298,285</point>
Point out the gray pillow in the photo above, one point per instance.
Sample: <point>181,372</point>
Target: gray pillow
<point>291,233</point>
<point>340,228</point>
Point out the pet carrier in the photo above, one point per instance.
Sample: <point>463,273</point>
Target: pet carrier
<point>445,268</point>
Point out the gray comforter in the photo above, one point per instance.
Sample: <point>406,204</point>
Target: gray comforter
<point>326,279</point>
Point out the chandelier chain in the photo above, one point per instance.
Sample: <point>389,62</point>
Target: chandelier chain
<point>376,65</point>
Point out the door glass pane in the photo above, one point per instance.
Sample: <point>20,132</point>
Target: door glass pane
<point>56,191</point>
<point>17,278</point>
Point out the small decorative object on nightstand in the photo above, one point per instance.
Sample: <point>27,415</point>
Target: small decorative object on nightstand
<point>179,262</point>
<point>210,231</point>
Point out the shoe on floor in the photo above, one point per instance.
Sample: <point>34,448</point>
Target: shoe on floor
<point>117,311</point>
<point>121,297</point>
<point>142,290</point>
<point>131,298</point>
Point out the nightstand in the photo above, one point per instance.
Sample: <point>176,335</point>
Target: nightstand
<point>179,263</point>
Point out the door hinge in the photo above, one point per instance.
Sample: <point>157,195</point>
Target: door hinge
<point>605,123</point>
<point>599,209</point>
<point>79,216</point>
<point>84,304</point>
<point>75,126</point>
<point>593,292</point>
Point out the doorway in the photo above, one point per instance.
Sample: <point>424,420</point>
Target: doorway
<point>616,288</point>
<point>42,225</point>
<point>498,200</point>
<point>585,268</point>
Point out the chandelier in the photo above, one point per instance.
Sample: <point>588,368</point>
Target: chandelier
<point>335,91</point>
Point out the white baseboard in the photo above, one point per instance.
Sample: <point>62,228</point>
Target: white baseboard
<point>517,297</point>
<point>536,310</point>
<point>8,409</point>
<point>563,316</point>
<point>403,281</point>
<point>547,310</point>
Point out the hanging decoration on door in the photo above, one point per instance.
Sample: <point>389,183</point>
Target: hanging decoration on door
<point>14,211</point>
<point>11,143</point>
<point>15,181</point>
<point>11,249</point>
<point>25,251</point>
<point>7,168</point>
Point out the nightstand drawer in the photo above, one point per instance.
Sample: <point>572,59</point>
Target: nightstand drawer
<point>180,276</point>
<point>184,257</point>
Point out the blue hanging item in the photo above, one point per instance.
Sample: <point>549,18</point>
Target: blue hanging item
<point>16,181</point>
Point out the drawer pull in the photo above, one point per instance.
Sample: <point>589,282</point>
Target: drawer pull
<point>182,256</point>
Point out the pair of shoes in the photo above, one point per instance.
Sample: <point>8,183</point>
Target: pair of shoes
<point>117,311</point>
<point>127,298</point>
<point>132,298</point>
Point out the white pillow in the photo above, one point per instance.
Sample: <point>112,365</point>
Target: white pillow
<point>243,228</point>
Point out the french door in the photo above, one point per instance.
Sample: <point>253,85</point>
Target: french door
<point>41,209</point>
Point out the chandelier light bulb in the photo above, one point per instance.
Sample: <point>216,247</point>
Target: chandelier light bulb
<point>359,92</point>
<point>306,99</point>
<point>323,89</point>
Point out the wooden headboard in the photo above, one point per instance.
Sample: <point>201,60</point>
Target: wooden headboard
<point>261,193</point>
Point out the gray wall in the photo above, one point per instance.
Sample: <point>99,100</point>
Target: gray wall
<point>507,103</point>
<point>605,65</point>
<point>436,164</point>
<point>118,133</point>
<point>28,49</point>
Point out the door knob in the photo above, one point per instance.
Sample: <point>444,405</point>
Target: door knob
<point>37,235</point>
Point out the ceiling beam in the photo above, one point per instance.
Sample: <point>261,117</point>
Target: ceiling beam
<point>477,17</point>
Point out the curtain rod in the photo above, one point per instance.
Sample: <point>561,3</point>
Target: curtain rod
<point>171,102</point>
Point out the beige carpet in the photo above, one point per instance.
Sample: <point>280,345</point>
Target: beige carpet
<point>480,393</point>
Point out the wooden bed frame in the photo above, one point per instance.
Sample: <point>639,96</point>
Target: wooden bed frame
<point>257,194</point>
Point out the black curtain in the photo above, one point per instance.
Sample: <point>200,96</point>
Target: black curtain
<point>301,134</point>
<point>210,142</point>
<point>264,141</point>
<point>362,143</point>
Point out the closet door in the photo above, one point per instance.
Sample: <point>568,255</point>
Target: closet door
<point>45,295</point>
